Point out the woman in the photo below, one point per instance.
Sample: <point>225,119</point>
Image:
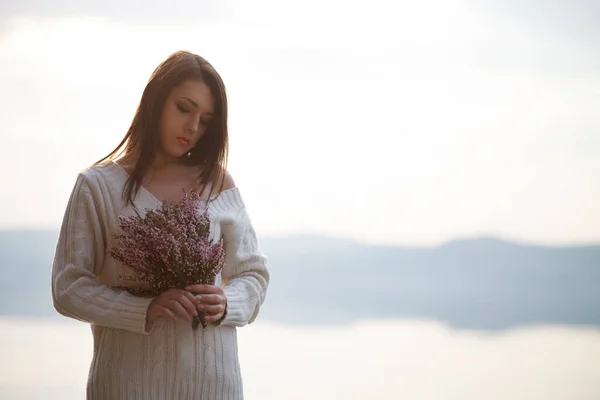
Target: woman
<point>145,348</point>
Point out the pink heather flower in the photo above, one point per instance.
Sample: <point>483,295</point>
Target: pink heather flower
<point>170,247</point>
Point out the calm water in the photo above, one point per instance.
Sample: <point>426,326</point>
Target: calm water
<point>48,359</point>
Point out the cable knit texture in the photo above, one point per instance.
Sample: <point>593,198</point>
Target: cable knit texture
<point>171,361</point>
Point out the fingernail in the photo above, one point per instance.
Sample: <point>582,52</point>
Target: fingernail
<point>196,313</point>
<point>199,297</point>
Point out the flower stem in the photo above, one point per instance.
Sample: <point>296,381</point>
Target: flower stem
<point>200,319</point>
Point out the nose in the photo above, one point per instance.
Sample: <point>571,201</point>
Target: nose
<point>193,124</point>
<point>191,128</point>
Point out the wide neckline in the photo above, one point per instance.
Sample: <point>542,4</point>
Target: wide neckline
<point>234,191</point>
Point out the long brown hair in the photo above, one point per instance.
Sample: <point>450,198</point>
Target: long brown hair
<point>142,137</point>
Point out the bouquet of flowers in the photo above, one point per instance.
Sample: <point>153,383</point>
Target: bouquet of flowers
<point>170,247</point>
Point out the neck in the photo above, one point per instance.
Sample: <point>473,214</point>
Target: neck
<point>162,162</point>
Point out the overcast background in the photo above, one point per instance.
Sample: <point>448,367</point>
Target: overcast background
<point>388,122</point>
<point>423,176</point>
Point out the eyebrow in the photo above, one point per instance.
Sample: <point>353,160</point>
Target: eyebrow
<point>195,104</point>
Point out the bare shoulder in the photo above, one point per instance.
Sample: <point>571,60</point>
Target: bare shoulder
<point>226,180</point>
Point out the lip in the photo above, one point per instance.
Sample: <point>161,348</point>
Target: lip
<point>183,140</point>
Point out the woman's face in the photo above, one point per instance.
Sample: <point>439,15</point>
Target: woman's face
<point>187,111</point>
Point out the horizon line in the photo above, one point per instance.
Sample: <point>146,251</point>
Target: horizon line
<point>443,243</point>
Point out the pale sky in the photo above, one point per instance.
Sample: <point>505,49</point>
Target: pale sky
<point>388,122</point>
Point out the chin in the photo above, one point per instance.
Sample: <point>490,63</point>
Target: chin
<point>181,155</point>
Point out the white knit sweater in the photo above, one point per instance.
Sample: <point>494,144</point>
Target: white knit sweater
<point>172,361</point>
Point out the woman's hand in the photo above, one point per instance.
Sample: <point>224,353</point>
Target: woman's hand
<point>171,303</point>
<point>212,301</point>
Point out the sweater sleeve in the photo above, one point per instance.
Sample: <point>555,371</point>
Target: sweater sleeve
<point>79,253</point>
<point>245,271</point>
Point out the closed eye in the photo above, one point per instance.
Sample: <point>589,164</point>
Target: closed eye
<point>182,109</point>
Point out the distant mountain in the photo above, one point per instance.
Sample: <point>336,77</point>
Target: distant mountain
<point>481,283</point>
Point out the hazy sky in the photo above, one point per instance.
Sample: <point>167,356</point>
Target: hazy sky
<point>396,122</point>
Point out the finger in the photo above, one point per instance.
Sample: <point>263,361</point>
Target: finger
<point>165,312</point>
<point>214,309</point>
<point>212,299</point>
<point>213,317</point>
<point>177,307</point>
<point>208,289</point>
<point>190,296</point>
<point>190,306</point>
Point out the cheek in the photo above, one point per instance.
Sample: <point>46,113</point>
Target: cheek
<point>163,124</point>
<point>170,123</point>
<point>168,117</point>
<point>163,130</point>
